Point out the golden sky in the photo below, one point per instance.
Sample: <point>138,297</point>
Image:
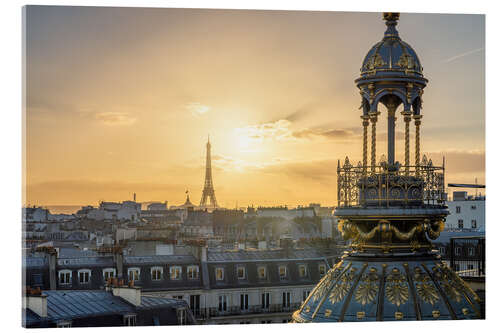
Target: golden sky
<point>122,100</point>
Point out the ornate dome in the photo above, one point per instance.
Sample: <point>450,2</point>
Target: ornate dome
<point>391,55</point>
<point>414,287</point>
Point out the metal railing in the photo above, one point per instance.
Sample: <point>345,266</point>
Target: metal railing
<point>385,186</point>
<point>467,256</point>
<point>203,313</point>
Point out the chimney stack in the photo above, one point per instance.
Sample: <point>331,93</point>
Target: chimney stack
<point>130,293</point>
<point>34,300</point>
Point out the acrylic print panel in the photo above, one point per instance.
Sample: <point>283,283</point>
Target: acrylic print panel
<point>188,166</point>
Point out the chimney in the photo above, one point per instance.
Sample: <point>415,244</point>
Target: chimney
<point>34,300</point>
<point>130,293</point>
<point>50,253</point>
<point>118,261</point>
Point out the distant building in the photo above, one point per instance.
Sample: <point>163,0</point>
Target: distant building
<point>466,212</point>
<point>126,210</point>
<point>198,224</point>
<point>157,206</point>
<point>35,214</point>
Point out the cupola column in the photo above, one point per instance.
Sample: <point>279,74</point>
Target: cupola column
<point>391,126</point>
<point>373,119</point>
<point>366,121</point>
<point>407,118</point>
<point>417,119</point>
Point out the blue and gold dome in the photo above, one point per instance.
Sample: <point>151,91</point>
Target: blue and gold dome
<point>391,55</point>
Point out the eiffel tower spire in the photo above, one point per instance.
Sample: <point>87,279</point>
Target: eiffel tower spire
<point>208,190</point>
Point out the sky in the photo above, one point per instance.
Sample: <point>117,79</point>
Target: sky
<point>122,100</point>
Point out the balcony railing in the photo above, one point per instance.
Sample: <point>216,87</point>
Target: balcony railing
<point>386,186</point>
<point>204,313</point>
<point>467,256</point>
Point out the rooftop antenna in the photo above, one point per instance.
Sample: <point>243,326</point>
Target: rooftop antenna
<point>134,196</point>
<point>475,182</point>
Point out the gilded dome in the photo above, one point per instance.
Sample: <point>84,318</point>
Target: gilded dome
<point>391,55</point>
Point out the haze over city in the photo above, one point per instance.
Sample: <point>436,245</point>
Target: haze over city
<point>123,100</point>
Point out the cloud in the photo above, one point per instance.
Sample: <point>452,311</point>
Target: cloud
<point>115,118</point>
<point>278,130</point>
<point>281,130</point>
<point>197,108</point>
<point>461,55</point>
<point>460,161</point>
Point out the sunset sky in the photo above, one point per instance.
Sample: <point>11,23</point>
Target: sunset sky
<point>122,100</point>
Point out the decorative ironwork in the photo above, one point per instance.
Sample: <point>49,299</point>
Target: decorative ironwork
<point>385,186</point>
<point>368,287</point>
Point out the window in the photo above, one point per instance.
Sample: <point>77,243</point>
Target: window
<point>175,272</point>
<point>222,303</point>
<point>322,270</point>
<point>243,302</point>
<point>129,320</point>
<point>473,207</point>
<point>302,271</point>
<point>458,251</point>
<point>65,277</point>
<point>282,271</point>
<point>265,300</point>
<point>241,272</point>
<point>134,274</point>
<point>470,266</point>
<point>84,276</point>
<point>179,297</point>
<point>219,274</point>
<point>305,295</point>
<point>156,273</point>
<point>442,250</point>
<point>286,299</point>
<point>473,224</point>
<point>472,252</point>
<point>194,303</point>
<point>108,273</point>
<point>181,316</point>
<point>266,321</point>
<point>262,272</point>
<point>245,322</point>
<point>457,209</point>
<point>193,272</point>
<point>64,324</point>
<point>460,224</point>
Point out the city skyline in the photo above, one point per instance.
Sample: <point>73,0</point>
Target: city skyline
<point>270,87</point>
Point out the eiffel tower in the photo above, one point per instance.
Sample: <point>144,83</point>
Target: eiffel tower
<point>208,189</point>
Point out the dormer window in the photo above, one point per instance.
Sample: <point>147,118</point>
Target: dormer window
<point>175,272</point>
<point>302,270</point>
<point>156,273</point>
<point>65,276</point>
<point>108,273</point>
<point>241,272</point>
<point>283,272</point>
<point>134,274</point>
<point>219,274</point>
<point>84,276</point>
<point>261,271</point>
<point>193,272</point>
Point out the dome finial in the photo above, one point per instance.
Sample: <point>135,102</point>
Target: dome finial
<point>391,16</point>
<point>391,21</point>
